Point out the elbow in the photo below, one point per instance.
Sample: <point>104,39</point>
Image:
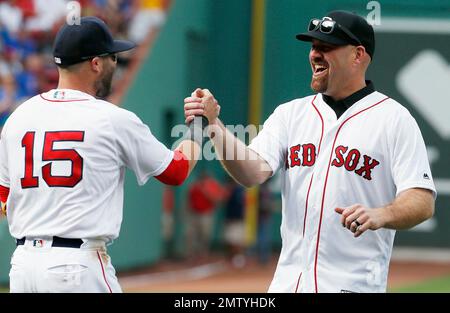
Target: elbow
<point>430,208</point>
<point>177,181</point>
<point>430,211</point>
<point>243,181</point>
<point>250,182</point>
<point>247,184</point>
<point>426,213</point>
<point>425,205</point>
<point>177,171</point>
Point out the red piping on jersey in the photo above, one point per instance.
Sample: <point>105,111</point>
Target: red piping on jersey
<point>325,185</point>
<point>312,176</point>
<point>298,282</point>
<point>63,100</point>
<point>103,271</point>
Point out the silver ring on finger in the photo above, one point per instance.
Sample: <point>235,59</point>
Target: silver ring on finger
<point>358,225</point>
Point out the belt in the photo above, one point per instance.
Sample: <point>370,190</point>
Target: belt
<point>58,242</point>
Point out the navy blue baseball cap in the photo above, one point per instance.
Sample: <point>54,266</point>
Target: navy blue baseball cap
<point>341,28</point>
<point>91,38</point>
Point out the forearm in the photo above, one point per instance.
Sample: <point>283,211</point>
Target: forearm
<point>410,208</point>
<point>192,151</point>
<point>242,163</point>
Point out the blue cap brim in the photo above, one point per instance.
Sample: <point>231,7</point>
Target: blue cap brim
<point>122,45</point>
<point>328,38</point>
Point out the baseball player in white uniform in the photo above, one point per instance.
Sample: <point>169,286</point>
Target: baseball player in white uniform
<point>349,156</point>
<point>63,156</point>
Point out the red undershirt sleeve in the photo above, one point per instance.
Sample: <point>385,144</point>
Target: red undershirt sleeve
<point>177,171</point>
<point>4,193</point>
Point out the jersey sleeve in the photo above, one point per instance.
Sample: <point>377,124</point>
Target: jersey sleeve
<point>138,149</point>
<point>4,172</point>
<point>409,161</point>
<point>271,142</point>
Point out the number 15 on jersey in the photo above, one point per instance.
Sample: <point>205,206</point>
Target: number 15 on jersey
<point>49,153</point>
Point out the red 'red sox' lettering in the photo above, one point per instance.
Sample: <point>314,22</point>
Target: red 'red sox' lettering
<point>367,168</point>
<point>302,155</point>
<point>305,155</point>
<point>339,161</point>
<point>351,160</point>
<point>295,161</point>
<point>309,154</point>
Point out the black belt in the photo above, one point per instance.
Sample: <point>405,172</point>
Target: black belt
<point>58,242</point>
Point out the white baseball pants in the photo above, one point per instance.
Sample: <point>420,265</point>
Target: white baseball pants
<point>36,266</point>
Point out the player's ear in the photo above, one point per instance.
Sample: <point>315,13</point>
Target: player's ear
<point>360,54</point>
<point>96,64</point>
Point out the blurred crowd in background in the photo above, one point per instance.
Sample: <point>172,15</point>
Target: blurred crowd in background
<point>27,30</point>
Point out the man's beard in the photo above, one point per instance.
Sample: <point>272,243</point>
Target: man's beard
<point>103,85</point>
<point>319,85</point>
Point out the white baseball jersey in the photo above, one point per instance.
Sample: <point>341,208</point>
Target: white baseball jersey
<point>369,155</point>
<point>63,154</point>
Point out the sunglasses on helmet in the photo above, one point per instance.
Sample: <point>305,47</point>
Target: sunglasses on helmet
<point>328,26</point>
